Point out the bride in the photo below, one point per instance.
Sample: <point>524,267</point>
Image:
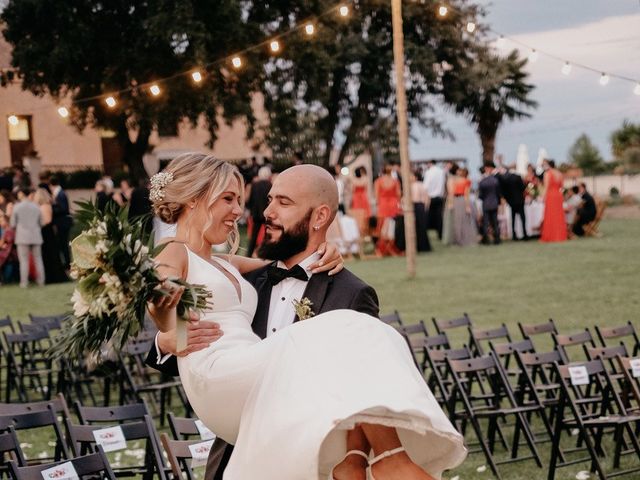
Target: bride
<point>314,399</point>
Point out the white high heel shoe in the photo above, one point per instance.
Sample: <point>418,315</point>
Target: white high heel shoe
<point>350,452</point>
<point>381,457</point>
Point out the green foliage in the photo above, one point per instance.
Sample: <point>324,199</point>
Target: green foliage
<point>585,155</point>
<point>625,146</point>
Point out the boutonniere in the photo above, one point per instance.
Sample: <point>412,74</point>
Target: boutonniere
<point>303,308</point>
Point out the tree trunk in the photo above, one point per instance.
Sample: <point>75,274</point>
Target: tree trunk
<point>134,151</point>
<point>488,140</point>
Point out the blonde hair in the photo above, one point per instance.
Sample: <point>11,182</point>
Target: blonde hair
<point>42,197</point>
<point>197,177</point>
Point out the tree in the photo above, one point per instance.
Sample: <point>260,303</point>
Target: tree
<point>625,146</point>
<point>77,50</point>
<point>336,91</point>
<point>585,155</point>
<point>489,89</point>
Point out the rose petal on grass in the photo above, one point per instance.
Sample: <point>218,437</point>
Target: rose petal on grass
<point>583,475</point>
<point>481,468</point>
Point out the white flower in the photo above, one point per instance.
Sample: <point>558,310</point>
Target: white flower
<point>80,306</point>
<point>101,228</point>
<point>102,246</point>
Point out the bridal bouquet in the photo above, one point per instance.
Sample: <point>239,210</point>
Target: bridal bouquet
<point>116,277</point>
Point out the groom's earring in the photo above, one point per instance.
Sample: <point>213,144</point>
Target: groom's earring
<point>316,228</point>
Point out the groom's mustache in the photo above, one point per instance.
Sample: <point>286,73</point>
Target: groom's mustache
<point>270,224</point>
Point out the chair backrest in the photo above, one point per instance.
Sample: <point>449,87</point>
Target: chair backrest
<point>178,452</point>
<point>48,321</point>
<point>606,353</point>
<point>480,336</point>
<point>439,341</point>
<point>9,444</point>
<point>545,329</point>
<point>583,339</point>
<point>631,387</point>
<point>618,332</point>
<point>58,404</point>
<point>460,322</point>
<point>392,319</point>
<point>183,428</point>
<point>113,414</point>
<point>6,322</point>
<point>509,348</point>
<point>86,466</point>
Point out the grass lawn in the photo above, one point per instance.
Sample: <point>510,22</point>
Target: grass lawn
<point>579,284</point>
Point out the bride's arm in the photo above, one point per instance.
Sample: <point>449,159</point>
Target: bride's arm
<point>331,260</point>
<point>172,263</point>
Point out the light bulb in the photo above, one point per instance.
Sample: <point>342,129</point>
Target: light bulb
<point>155,90</point>
<point>442,11</point>
<point>275,46</point>
<point>501,42</point>
<point>236,62</point>
<point>13,120</point>
<point>197,76</point>
<point>533,56</point>
<point>471,27</point>
<point>344,10</point>
<point>110,101</point>
<point>604,79</point>
<point>566,68</point>
<point>63,112</point>
<point>637,89</point>
<point>309,29</point>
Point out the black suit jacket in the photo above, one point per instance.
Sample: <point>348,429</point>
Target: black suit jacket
<point>326,293</point>
<point>512,187</point>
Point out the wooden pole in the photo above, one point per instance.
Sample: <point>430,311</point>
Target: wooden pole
<point>403,137</point>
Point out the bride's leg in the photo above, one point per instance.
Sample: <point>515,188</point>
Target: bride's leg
<point>395,467</point>
<point>354,467</point>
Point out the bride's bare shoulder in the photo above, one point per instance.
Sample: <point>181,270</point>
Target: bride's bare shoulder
<point>173,254</point>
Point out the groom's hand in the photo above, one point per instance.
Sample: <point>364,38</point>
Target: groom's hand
<point>199,335</point>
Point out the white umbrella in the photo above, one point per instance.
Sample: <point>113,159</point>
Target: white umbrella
<point>522,159</point>
<point>542,154</point>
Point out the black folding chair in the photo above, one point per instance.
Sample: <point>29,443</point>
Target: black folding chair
<point>183,428</point>
<point>593,416</point>
<point>481,336</point>
<point>415,335</point>
<point>565,343</point>
<point>392,319</point>
<point>493,402</point>
<point>622,334</point>
<point>453,325</point>
<point>180,455</point>
<point>95,465</point>
<point>10,450</point>
<point>530,330</point>
<point>439,380</point>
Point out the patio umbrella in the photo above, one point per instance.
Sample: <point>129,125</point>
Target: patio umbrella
<point>522,159</point>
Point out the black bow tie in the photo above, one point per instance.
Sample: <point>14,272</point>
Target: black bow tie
<point>276,274</point>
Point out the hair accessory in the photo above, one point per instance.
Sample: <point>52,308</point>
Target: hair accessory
<point>158,182</point>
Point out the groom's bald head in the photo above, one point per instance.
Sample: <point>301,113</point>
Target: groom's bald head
<point>311,184</point>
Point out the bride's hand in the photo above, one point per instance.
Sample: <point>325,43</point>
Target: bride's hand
<point>163,307</point>
<point>330,259</point>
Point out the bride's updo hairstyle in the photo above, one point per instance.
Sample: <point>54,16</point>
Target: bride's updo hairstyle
<point>193,177</point>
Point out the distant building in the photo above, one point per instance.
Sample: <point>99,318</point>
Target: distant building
<point>30,123</point>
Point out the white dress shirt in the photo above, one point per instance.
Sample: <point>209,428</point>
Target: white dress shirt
<point>434,181</point>
<point>281,309</point>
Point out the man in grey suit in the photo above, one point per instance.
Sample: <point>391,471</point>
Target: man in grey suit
<point>287,241</point>
<point>27,221</point>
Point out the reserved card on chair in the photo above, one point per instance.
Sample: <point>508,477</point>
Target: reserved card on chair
<point>64,471</point>
<point>635,367</point>
<point>203,430</point>
<point>200,453</point>
<point>110,439</point>
<point>579,375</point>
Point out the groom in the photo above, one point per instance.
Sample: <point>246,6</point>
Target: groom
<point>299,196</point>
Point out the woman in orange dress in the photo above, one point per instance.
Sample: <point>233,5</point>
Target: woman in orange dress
<point>554,226</point>
<point>360,206</point>
<point>388,195</point>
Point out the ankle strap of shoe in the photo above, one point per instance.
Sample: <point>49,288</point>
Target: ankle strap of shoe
<point>384,455</point>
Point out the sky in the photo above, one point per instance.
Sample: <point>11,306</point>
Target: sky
<point>601,34</point>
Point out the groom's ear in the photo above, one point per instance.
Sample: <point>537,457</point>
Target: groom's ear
<point>321,217</point>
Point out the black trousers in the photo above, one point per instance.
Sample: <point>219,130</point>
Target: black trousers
<point>434,215</point>
<point>490,217</point>
<point>518,210</point>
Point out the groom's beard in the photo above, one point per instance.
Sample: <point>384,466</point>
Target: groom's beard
<point>291,241</point>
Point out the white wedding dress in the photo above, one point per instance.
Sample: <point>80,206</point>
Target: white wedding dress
<point>286,402</point>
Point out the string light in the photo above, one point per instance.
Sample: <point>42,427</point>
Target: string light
<point>63,112</point>
<point>604,79</point>
<point>197,76</point>
<point>344,11</point>
<point>501,42</point>
<point>110,101</point>
<point>309,29</point>
<point>13,120</point>
<point>236,62</point>
<point>471,27</point>
<point>533,56</point>
<point>155,90</point>
<point>443,10</point>
<point>637,89</point>
<point>275,46</point>
<point>566,68</point>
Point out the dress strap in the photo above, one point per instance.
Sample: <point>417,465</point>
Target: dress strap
<point>381,457</point>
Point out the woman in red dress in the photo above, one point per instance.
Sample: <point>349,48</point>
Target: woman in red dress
<point>554,227</point>
<point>388,195</point>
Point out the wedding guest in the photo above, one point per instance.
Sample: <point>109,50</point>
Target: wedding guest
<point>586,212</point>
<point>464,229</point>
<point>489,193</point>
<point>571,204</point>
<point>8,255</point>
<point>140,205</point>
<point>388,193</point>
<point>420,198</point>
<point>360,205</point>
<point>53,268</point>
<point>435,179</point>
<point>257,201</point>
<point>513,189</point>
<point>27,221</point>
<point>7,200</point>
<point>554,227</point>
<point>62,219</point>
<point>532,183</point>
<point>6,179</point>
<point>124,195</point>
<point>102,198</point>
